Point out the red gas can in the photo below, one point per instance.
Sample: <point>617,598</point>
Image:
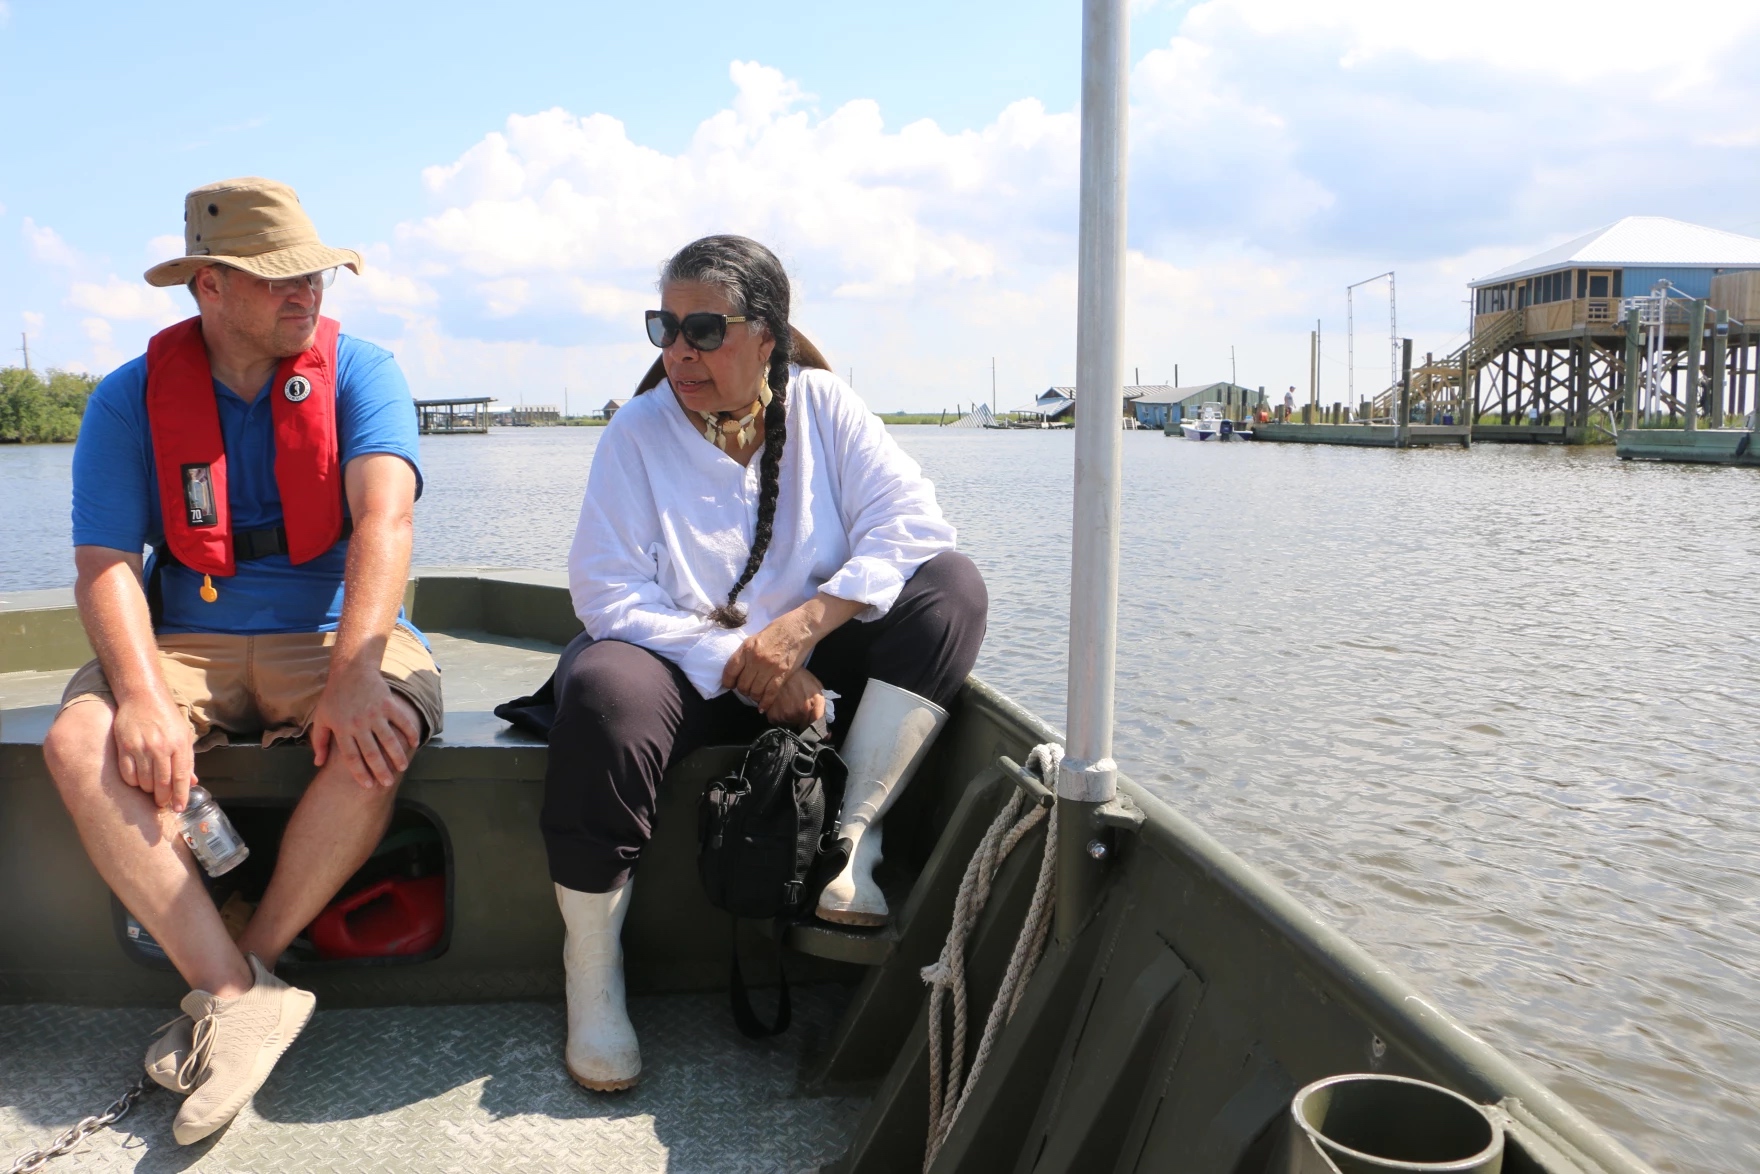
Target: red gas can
<point>399,915</point>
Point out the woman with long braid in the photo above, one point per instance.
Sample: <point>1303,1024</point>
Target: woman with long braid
<point>718,597</point>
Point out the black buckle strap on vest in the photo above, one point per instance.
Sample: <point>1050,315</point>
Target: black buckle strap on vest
<point>254,544</point>
<point>247,546</point>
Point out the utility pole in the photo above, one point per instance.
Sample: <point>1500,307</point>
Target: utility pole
<point>1314,367</point>
<point>1233,376</point>
<point>993,385</point>
<point>1316,364</point>
<point>26,348</point>
<point>565,401</point>
<point>1393,330</point>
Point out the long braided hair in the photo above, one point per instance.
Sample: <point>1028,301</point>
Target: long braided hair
<point>756,286</point>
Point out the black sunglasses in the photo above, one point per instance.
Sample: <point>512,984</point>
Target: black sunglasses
<point>703,331</point>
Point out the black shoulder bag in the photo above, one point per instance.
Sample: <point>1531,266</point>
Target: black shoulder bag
<point>767,845</point>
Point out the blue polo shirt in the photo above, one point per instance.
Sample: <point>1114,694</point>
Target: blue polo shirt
<point>116,494</point>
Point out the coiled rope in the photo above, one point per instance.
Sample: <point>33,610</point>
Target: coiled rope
<point>947,1097</point>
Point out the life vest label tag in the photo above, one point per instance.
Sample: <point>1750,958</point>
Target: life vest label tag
<point>198,496</point>
<point>297,388</point>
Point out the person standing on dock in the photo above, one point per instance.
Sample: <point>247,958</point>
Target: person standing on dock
<point>271,463</point>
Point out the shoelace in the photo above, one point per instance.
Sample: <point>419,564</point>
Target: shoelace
<point>201,1044</point>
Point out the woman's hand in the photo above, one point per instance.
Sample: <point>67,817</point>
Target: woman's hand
<point>800,701</point>
<point>760,667</point>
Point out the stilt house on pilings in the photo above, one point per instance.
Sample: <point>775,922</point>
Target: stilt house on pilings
<point>1552,342</point>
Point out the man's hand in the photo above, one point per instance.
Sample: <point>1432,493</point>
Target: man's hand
<point>764,663</point>
<point>800,701</point>
<point>358,717</point>
<point>371,728</point>
<point>155,748</point>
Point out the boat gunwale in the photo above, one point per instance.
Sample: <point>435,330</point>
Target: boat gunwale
<point>1375,990</point>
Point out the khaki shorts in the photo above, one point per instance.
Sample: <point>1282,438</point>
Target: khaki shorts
<point>245,685</point>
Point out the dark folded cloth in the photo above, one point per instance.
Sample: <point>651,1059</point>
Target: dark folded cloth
<point>534,714</point>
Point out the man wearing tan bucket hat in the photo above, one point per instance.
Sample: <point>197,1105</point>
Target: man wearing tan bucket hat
<point>270,462</point>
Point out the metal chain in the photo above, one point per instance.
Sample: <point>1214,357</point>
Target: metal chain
<point>37,1159</point>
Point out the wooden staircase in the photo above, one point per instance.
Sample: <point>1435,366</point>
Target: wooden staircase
<point>1435,376</point>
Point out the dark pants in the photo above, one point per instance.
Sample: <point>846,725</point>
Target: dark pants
<point>625,715</point>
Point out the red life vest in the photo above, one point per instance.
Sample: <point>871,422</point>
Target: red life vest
<point>190,455</point>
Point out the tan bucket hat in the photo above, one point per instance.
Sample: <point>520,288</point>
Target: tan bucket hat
<point>252,224</point>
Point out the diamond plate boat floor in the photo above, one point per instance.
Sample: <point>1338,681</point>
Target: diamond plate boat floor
<point>465,1088</point>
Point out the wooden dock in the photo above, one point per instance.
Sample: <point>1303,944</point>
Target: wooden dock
<point>1530,434</point>
<point>1704,446</point>
<point>1365,435</point>
<point>448,416</point>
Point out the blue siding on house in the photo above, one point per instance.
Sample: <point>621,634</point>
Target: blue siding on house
<point>1156,415</point>
<point>1693,283</point>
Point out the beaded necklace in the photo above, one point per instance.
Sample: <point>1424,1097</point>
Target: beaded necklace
<point>718,426</point>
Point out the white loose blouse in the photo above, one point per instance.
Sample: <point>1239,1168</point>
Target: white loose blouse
<point>667,525</point>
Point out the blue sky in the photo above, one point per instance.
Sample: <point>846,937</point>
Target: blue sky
<point>515,173</point>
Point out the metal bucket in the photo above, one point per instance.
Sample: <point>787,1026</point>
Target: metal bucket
<point>1364,1124</point>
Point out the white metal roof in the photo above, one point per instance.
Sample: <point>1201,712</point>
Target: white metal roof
<point>1641,240</point>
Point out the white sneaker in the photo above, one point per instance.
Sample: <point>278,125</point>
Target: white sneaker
<point>234,1044</point>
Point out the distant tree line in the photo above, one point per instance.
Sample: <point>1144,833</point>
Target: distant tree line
<point>42,408</point>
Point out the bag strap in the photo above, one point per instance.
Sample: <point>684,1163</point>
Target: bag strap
<point>749,1024</point>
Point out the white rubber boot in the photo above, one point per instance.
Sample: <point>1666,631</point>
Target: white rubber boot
<point>887,741</point>
<point>602,1054</point>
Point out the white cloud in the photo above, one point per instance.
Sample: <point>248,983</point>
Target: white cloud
<point>163,248</point>
<point>1265,176</point>
<point>1577,40</point>
<point>1279,151</point>
<point>32,320</point>
<point>104,354</point>
<point>124,301</point>
<point>549,232</point>
<point>46,245</point>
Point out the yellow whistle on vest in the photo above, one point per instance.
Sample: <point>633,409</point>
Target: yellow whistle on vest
<point>209,595</point>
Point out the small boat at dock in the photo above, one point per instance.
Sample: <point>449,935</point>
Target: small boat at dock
<point>1212,424</point>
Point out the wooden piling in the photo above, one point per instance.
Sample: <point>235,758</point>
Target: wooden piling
<point>1634,355</point>
<point>1404,423</point>
<point>1695,347</point>
<point>1719,361</point>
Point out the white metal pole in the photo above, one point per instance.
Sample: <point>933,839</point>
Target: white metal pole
<point>1350,343</point>
<point>1393,329</point>
<point>1088,774</point>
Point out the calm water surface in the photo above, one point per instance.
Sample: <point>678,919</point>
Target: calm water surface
<point>1494,713</point>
